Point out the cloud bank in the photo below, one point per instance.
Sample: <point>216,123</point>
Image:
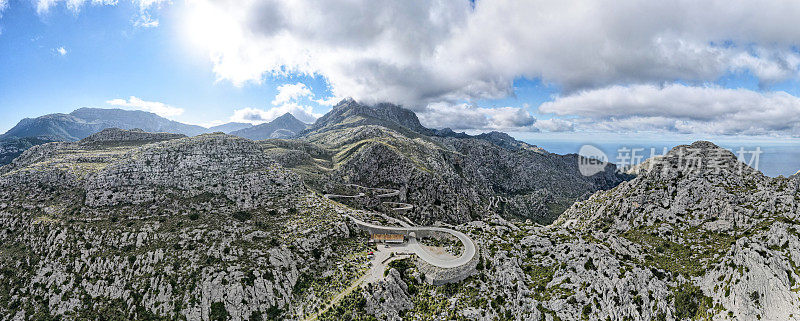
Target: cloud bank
<point>467,116</point>
<point>420,52</point>
<point>681,108</point>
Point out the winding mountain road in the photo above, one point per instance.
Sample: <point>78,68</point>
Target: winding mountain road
<point>385,192</point>
<point>406,229</point>
<point>413,231</point>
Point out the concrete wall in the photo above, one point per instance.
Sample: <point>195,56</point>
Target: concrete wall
<point>433,274</point>
<point>440,276</point>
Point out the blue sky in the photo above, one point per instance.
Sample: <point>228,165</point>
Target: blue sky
<point>616,74</point>
<point>107,57</point>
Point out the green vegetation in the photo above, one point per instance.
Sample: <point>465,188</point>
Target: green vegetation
<point>692,257</point>
<point>350,308</point>
<point>690,302</point>
<point>242,215</point>
<point>218,312</point>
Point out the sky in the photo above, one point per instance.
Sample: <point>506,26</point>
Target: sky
<point>616,70</point>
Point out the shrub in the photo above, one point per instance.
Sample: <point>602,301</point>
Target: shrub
<point>690,301</point>
<point>587,310</point>
<point>589,265</point>
<point>218,312</point>
<point>242,215</point>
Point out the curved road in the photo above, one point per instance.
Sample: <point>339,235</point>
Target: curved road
<point>385,192</point>
<point>399,207</point>
<point>466,256</point>
<point>469,246</point>
<point>329,196</point>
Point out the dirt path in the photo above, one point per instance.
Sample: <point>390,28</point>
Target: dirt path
<point>339,297</point>
<point>380,262</point>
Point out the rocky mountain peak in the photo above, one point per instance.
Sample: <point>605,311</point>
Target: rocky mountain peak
<point>349,112</point>
<point>287,117</point>
<point>285,126</point>
<point>691,184</point>
<point>698,159</point>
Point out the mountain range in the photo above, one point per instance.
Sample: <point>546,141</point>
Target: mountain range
<point>354,135</point>
<point>132,224</point>
<point>83,122</point>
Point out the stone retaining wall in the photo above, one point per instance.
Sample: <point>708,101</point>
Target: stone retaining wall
<point>440,276</point>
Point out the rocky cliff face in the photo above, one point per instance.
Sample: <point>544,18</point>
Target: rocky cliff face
<point>724,227</point>
<point>138,226</point>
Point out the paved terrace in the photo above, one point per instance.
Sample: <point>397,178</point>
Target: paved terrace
<point>412,232</point>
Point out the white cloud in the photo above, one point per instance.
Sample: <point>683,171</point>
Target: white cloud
<point>148,4</point>
<point>43,6</point>
<point>3,6</point>
<point>258,116</point>
<point>61,51</point>
<point>330,101</point>
<point>554,125</point>
<point>418,52</point>
<point>291,92</point>
<point>143,19</point>
<point>682,108</point>
<point>155,107</point>
<point>467,116</point>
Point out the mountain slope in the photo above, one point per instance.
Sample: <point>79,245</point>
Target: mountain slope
<point>139,225</point>
<point>135,225</point>
<point>11,148</point>
<point>61,127</point>
<point>691,238</point>
<point>710,222</point>
<point>285,126</point>
<point>228,127</point>
<point>349,113</point>
<point>86,121</point>
<point>130,119</point>
<point>452,179</point>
